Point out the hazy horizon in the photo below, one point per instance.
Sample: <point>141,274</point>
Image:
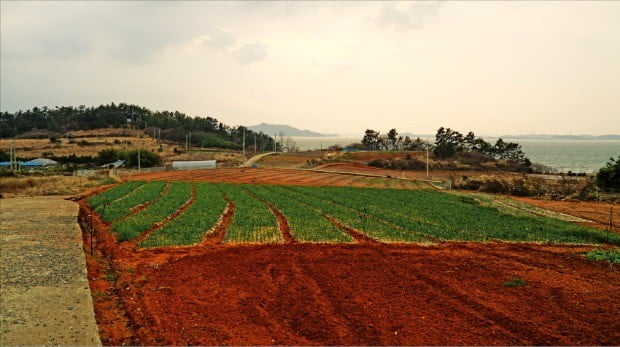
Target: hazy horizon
<point>501,68</point>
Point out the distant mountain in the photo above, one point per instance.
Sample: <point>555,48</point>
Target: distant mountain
<point>287,130</point>
<point>415,136</point>
<point>562,137</point>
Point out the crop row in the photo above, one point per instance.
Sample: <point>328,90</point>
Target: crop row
<point>113,193</point>
<point>353,216</point>
<point>190,227</point>
<point>388,215</point>
<point>119,208</point>
<point>130,227</point>
<point>452,217</point>
<point>253,221</point>
<point>306,223</point>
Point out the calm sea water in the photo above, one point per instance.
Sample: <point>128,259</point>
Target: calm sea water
<point>564,155</point>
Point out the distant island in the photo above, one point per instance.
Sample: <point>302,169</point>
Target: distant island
<point>287,130</point>
<point>562,137</point>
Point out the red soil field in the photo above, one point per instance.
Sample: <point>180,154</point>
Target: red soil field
<point>410,174</point>
<point>598,212</point>
<point>351,294</point>
<point>271,176</point>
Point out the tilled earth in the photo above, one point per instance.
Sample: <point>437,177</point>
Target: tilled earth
<point>362,294</point>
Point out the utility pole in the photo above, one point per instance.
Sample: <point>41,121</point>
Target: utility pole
<point>139,168</point>
<point>275,138</point>
<point>427,146</point>
<point>243,149</point>
<point>254,143</point>
<point>159,136</point>
<point>186,139</point>
<point>11,156</point>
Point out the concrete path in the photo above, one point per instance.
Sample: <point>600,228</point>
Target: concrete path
<point>255,158</point>
<point>45,298</point>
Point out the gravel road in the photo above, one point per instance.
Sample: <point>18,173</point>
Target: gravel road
<point>45,298</point>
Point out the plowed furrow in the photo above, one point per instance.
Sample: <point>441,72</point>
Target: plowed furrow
<point>357,235</point>
<point>141,207</point>
<point>145,234</point>
<point>218,232</point>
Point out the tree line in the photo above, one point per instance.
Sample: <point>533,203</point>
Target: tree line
<point>173,126</point>
<point>448,143</point>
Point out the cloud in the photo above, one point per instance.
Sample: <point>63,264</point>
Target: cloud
<point>412,18</point>
<point>130,32</point>
<point>250,53</point>
<point>219,38</point>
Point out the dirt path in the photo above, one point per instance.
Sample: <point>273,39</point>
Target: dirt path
<point>44,289</point>
<point>254,159</point>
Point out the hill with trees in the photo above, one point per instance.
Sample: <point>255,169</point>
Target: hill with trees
<point>173,126</point>
<point>450,147</point>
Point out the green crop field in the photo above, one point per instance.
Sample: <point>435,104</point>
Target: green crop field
<point>191,226</point>
<point>386,215</point>
<point>253,221</point>
<point>452,217</point>
<point>117,209</point>
<point>113,194</point>
<point>177,195</point>
<point>350,216</point>
<point>306,223</point>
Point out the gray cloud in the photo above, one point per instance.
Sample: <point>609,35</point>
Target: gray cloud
<point>220,38</point>
<point>250,53</point>
<point>131,32</point>
<point>412,18</point>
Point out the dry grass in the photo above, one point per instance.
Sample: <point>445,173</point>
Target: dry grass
<point>100,139</point>
<point>45,185</point>
<point>38,147</point>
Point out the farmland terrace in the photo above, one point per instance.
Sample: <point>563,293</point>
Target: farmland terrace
<point>202,261</point>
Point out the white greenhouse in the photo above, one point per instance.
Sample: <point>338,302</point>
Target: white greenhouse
<point>194,164</point>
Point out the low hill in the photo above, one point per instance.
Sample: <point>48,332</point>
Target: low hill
<point>49,123</point>
<point>286,130</point>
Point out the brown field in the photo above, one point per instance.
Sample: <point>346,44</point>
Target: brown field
<point>409,174</point>
<point>46,185</point>
<point>351,294</point>
<point>127,139</point>
<point>291,161</point>
<point>367,156</point>
<point>30,148</point>
<point>279,176</point>
<point>598,212</point>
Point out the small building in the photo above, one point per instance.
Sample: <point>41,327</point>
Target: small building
<point>114,165</point>
<point>40,163</point>
<point>193,164</point>
<point>4,164</point>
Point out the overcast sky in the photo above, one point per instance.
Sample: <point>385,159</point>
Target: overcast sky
<point>492,67</point>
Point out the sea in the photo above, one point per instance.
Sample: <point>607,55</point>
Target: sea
<point>563,155</point>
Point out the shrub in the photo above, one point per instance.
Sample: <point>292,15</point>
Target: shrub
<point>494,186</point>
<point>608,177</point>
<point>147,158</point>
<point>515,282</point>
<point>611,255</point>
<point>4,156</point>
